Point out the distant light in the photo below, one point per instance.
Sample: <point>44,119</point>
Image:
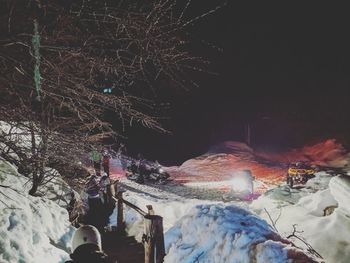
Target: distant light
<point>240,184</point>
<point>107,90</point>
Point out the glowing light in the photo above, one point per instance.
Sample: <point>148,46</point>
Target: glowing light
<point>241,184</point>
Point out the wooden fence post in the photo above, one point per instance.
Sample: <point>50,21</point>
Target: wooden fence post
<point>150,209</point>
<point>110,194</point>
<point>115,187</point>
<point>154,239</point>
<point>120,216</point>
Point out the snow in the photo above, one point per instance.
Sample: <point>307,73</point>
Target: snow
<point>340,189</point>
<point>217,233</point>
<point>32,229</point>
<point>198,225</point>
<point>223,161</point>
<point>170,206</point>
<point>305,208</point>
<point>211,231</point>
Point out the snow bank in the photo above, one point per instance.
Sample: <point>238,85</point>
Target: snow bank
<point>224,160</point>
<point>204,230</point>
<point>218,233</point>
<point>340,189</point>
<point>32,229</point>
<point>170,206</point>
<point>305,208</point>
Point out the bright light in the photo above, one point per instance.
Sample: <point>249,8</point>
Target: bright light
<point>241,184</point>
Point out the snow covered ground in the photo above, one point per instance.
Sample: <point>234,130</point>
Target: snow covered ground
<point>207,231</point>
<point>201,222</point>
<point>310,210</point>
<point>32,229</point>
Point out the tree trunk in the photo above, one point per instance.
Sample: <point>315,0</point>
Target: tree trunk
<point>34,188</point>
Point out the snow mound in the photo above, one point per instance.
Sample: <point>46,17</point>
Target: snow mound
<point>218,233</point>
<point>307,209</point>
<point>340,189</point>
<point>327,153</point>
<point>32,229</point>
<point>224,160</point>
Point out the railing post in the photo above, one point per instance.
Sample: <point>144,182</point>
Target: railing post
<point>153,239</point>
<point>150,209</point>
<point>120,216</point>
<point>110,193</point>
<point>115,187</point>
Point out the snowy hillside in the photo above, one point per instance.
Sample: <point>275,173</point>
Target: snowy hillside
<point>32,229</point>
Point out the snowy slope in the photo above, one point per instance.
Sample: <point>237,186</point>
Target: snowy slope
<point>32,229</point>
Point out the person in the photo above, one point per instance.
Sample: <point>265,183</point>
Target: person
<point>105,162</point>
<point>95,157</point>
<point>87,246</point>
<point>133,167</point>
<point>94,201</point>
<point>104,183</point>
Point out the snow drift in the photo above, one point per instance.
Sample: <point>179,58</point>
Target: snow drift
<point>32,229</point>
<point>226,234</point>
<point>320,213</point>
<point>207,231</point>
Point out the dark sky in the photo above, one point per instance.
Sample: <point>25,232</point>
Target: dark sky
<point>285,69</point>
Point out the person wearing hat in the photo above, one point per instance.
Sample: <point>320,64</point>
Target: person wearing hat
<point>87,246</point>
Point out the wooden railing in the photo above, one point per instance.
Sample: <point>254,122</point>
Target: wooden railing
<point>153,236</point>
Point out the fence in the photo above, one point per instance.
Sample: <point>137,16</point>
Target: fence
<point>153,236</point>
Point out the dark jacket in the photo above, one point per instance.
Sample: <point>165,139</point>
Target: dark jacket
<point>88,253</point>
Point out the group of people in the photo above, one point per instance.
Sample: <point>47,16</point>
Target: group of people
<point>86,241</point>
<point>97,158</point>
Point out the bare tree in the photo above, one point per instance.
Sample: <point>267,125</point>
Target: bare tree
<point>58,59</point>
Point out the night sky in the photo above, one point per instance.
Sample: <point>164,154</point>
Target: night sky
<point>284,69</point>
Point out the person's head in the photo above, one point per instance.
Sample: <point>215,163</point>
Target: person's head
<point>87,246</point>
<point>87,236</point>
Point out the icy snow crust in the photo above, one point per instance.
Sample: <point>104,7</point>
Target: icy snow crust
<point>32,229</point>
